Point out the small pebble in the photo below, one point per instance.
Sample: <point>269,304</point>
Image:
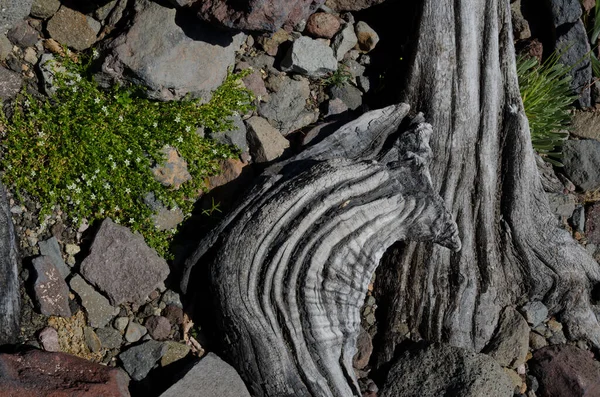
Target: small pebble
<point>120,323</point>
<point>72,249</point>
<point>134,332</point>
<point>49,339</point>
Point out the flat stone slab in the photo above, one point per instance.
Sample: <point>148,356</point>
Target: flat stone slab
<point>121,264</point>
<point>98,309</point>
<point>51,290</point>
<point>139,360</point>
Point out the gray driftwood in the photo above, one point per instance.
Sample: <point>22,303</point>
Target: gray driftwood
<point>292,263</point>
<point>10,302</point>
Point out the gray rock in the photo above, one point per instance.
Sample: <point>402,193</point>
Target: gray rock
<point>91,339</point>
<point>572,43</point>
<point>367,37</point>
<point>578,219</point>
<point>121,264</point>
<point>120,323</point>
<point>167,219</point>
<point>349,94</point>
<point>582,163</point>
<point>44,9</point>
<point>175,351</point>
<point>109,337</point>
<point>586,125</point>
<point>309,57</point>
<point>443,370</point>
<point>181,3</point>
<point>134,332</point>
<point>173,171</point>
<point>521,30</point>
<point>98,309</point>
<point>355,68</point>
<point>266,143</point>
<point>139,360</point>
<point>171,58</point>
<point>158,327</point>
<point>73,28</point>
<point>364,83</point>
<point>336,106</point>
<point>30,55</point>
<point>211,376</point>
<point>561,205</point>
<point>23,35</point>
<point>51,290</point>
<point>565,11</point>
<point>50,249</point>
<point>534,312</point>
<point>286,107</point>
<point>344,41</point>
<point>235,137</point>
<point>13,12</point>
<point>104,11</point>
<point>170,297</point>
<point>117,14</point>
<point>5,47</point>
<point>10,84</point>
<point>537,341</point>
<point>509,344</point>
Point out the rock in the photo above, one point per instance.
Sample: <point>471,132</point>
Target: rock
<point>266,143</point>
<point>121,264</point>
<point>561,205</point>
<point>565,371</point>
<point>367,37</point>
<point>120,323</point>
<point>521,28</point>
<point>44,9</point>
<point>286,107</point>
<point>116,14</point>
<point>49,339</point>
<point>5,47</point>
<point>509,344</point>
<point>51,290</point>
<point>134,332</point>
<point>364,349</point>
<point>158,327</point>
<point>537,341</point>
<point>73,28</point>
<point>309,57</point>
<point>258,15</point>
<point>592,224</point>
<point>98,309</point>
<point>10,84</point>
<point>174,314</point>
<point>175,352</point>
<point>23,35</point>
<point>336,106</point>
<point>534,312</point>
<point>344,41</point>
<point>564,11</point>
<point>322,24</point>
<point>572,43</point>
<point>582,163</point>
<point>516,380</point>
<point>38,373</point>
<point>440,370</point>
<point>104,11</point>
<point>181,3</point>
<point>171,56</point>
<point>173,171</point>
<point>50,249</point>
<point>236,136</point>
<point>167,219</point>
<point>351,5</point>
<point>255,83</point>
<point>578,219</point>
<point>13,12</point>
<point>30,55</point>
<point>72,249</point>
<point>109,337</point>
<point>350,95</point>
<point>49,67</point>
<point>271,43</point>
<point>230,170</point>
<point>586,125</point>
<point>92,340</point>
<point>211,376</point>
<point>139,360</point>
<point>557,338</point>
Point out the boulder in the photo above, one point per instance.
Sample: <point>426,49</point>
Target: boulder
<point>344,41</point>
<point>122,266</point>
<point>138,360</point>
<point>266,143</point>
<point>98,309</point>
<point>521,30</point>
<point>582,163</point>
<point>51,290</point>
<point>309,57</point>
<point>286,107</point>
<point>230,170</point>
<point>443,370</point>
<point>38,373</point>
<point>10,84</point>
<point>271,42</point>
<point>171,54</point>
<point>509,344</point>
<point>258,15</point>
<point>209,377</point>
<point>13,12</point>
<point>6,47</point>
<point>44,9</point>
<point>23,35</point>
<point>561,205</point>
<point>73,29</point>
<point>564,11</point>
<point>572,43</point>
<point>323,25</point>
<point>49,339</point>
<point>351,5</point>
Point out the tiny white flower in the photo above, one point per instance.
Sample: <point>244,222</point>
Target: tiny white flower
<point>114,165</point>
<point>77,77</point>
<point>26,103</point>
<point>101,211</point>
<point>117,208</point>
<point>95,53</point>
<point>97,171</point>
<point>137,159</point>
<point>9,166</point>
<point>32,172</point>
<point>259,98</point>
<point>177,119</point>
<point>75,219</point>
<point>146,135</point>
<point>88,183</point>
<point>120,118</point>
<point>127,190</point>
<point>129,151</point>
<point>71,186</point>
<point>236,113</point>
<point>41,134</point>
<point>93,196</point>
<point>155,124</point>
<point>188,128</point>
<point>131,220</point>
<point>117,221</point>
<point>180,139</point>
<point>51,192</point>
<point>77,202</point>
<point>97,101</point>
<point>74,89</point>
<point>106,186</point>
<point>126,162</point>
<point>214,151</point>
<point>93,177</point>
<point>239,103</point>
<point>78,190</point>
<point>104,109</point>
<point>40,143</point>
<point>110,157</point>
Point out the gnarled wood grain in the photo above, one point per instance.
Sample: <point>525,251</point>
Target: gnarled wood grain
<point>10,301</point>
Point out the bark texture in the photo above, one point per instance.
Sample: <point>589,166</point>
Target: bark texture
<point>291,265</point>
<point>10,302</point>
<point>463,77</point>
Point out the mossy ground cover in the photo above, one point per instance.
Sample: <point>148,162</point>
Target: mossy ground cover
<point>90,151</point>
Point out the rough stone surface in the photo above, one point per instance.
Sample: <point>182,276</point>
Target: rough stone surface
<point>344,41</point>
<point>50,249</point>
<point>13,12</point>
<point>172,56</point>
<point>509,344</point>
<point>565,11</point>
<point>521,28</point>
<point>534,312</point>
<point>586,125</point>
<point>49,339</point>
<point>572,43</point>
<point>167,219</point>
<point>23,35</point>
<point>5,47</point>
<point>120,323</point>
<point>270,43</point>
<point>92,340</point>
<point>592,224</point>
<point>211,376</point>
<point>442,370</point>
<point>367,37</point>
<point>266,143</point>
<point>582,163</point>
<point>174,314</point>
<point>98,309</point>
<point>51,290</point>
<point>109,337</point>
<point>286,106</point>
<point>73,28</point>
<point>561,205</point>
<point>309,57</point>
<point>350,95</point>
<point>230,170</point>
<point>537,341</point>
<point>139,360</point>
<point>236,136</point>
<point>351,5</point>
<point>158,327</point>
<point>175,351</point>
<point>44,9</point>
<point>255,83</point>
<point>566,371</point>
<point>336,106</point>
<point>258,15</point>
<point>38,373</point>
<point>134,332</point>
<point>10,84</point>
<point>173,171</point>
<point>121,264</point>
<point>104,11</point>
<point>322,24</point>
<point>364,349</point>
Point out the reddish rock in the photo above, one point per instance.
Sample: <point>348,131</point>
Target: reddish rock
<point>565,370</point>
<point>257,15</point>
<point>158,327</point>
<point>174,314</point>
<point>322,24</point>
<point>173,172</point>
<point>271,42</point>
<point>41,374</point>
<point>592,224</point>
<point>364,347</point>
<point>49,339</point>
<point>230,170</point>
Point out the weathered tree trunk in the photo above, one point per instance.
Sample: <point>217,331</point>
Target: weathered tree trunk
<point>10,301</point>
<point>463,77</point>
